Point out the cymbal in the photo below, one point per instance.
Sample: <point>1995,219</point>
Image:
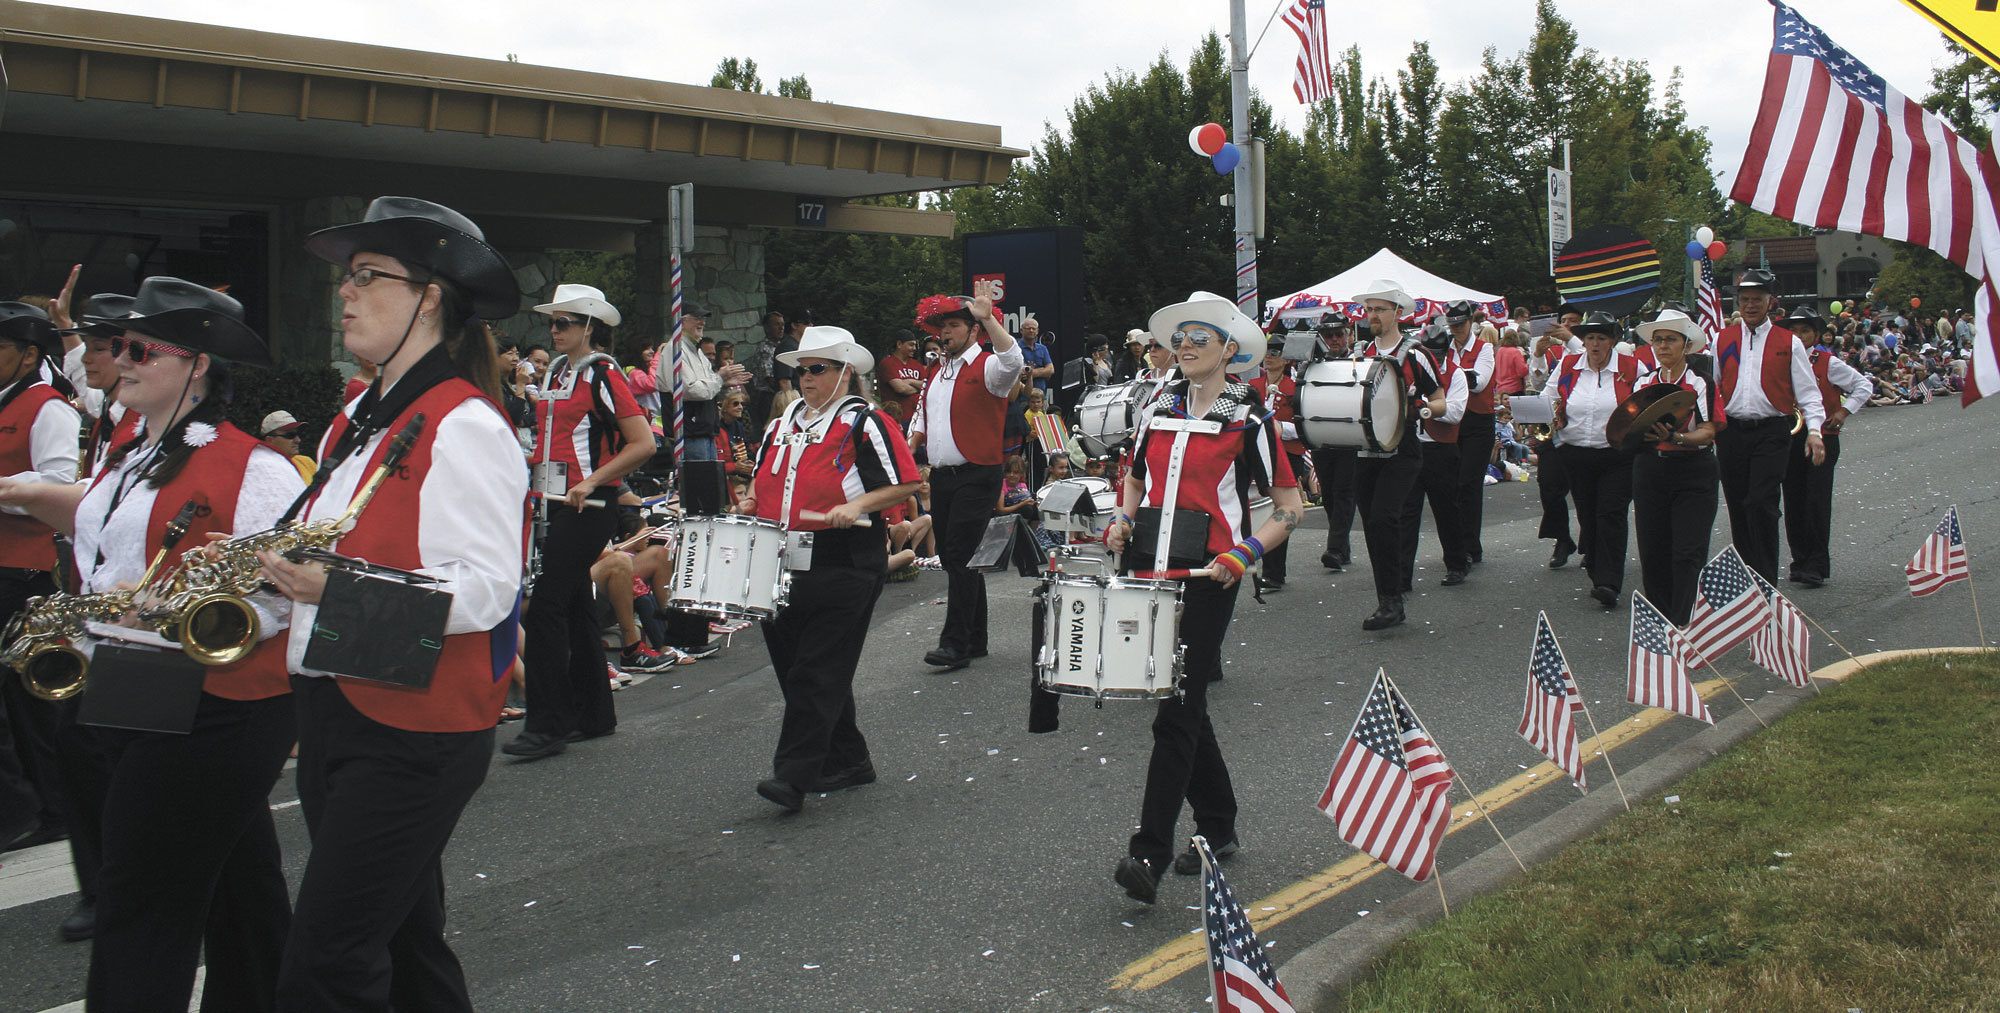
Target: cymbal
<point>1634,417</point>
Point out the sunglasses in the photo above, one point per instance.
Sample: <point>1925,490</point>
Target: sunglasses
<point>1199,339</point>
<point>817,368</point>
<point>367,275</point>
<point>561,323</point>
<point>140,350</point>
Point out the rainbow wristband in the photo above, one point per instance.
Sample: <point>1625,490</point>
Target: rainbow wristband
<point>1256,547</point>
<point>1237,560</point>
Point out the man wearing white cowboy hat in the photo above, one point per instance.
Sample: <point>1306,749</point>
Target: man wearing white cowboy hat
<point>1382,481</point>
<point>1674,477</point>
<point>830,461</point>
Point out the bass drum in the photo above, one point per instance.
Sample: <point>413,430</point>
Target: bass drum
<point>1107,417</point>
<point>1352,403</point>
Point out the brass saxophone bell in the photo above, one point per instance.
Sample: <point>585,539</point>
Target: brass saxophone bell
<point>219,629</point>
<point>54,672</point>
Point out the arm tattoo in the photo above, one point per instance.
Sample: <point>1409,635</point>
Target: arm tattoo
<point>1286,517</point>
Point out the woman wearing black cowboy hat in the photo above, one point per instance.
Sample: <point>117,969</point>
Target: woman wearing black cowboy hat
<point>189,858</point>
<point>385,770</point>
<point>1587,387</point>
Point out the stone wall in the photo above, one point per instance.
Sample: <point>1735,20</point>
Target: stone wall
<point>725,274</point>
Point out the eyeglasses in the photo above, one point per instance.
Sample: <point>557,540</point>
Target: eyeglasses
<point>1198,339</point>
<point>560,323</point>
<point>816,368</point>
<point>367,275</point>
<point>139,350</point>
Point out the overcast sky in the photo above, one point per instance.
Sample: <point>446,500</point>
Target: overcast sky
<point>1040,54</point>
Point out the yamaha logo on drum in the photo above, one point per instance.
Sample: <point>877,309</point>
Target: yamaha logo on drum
<point>1074,644</point>
<point>1076,607</point>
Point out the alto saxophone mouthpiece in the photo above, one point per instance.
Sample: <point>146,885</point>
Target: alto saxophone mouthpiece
<point>405,438</point>
<point>177,528</point>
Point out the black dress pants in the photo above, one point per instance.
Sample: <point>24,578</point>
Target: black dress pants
<point>1187,766</point>
<point>30,773</point>
<point>1381,492</point>
<point>84,755</point>
<point>1438,482</point>
<point>1600,480</point>
<point>1475,452</point>
<point>1673,510</point>
<point>962,501</point>
<point>1750,454</point>
<point>567,687</point>
<point>368,930</point>
<point>191,863</point>
<point>815,645</point>
<point>1808,490</point>
<point>1552,482</point>
<point>1336,493</point>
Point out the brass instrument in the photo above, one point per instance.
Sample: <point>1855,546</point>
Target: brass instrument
<point>1798,421</point>
<point>205,605</point>
<point>41,637</point>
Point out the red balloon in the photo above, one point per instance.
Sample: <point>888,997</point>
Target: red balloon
<point>1915,302</point>
<point>1718,250</point>
<point>1210,137</point>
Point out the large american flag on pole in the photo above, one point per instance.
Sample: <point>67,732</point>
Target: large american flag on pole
<point>1551,699</point>
<point>1238,967</point>
<point>1387,792</point>
<point>1835,146</point>
<point>1656,673</point>
<point>1312,78</point>
<point>1707,303</point>
<point>1941,559</point>
<point>1783,647</point>
<point>1727,608</point>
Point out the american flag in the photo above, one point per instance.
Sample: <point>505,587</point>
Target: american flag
<point>1312,79</point>
<point>1551,699</point>
<point>1707,304</point>
<point>1386,794</point>
<point>1238,967</point>
<point>1656,674</point>
<point>1835,146</point>
<point>1941,560</point>
<point>1784,646</point>
<point>1727,608</point>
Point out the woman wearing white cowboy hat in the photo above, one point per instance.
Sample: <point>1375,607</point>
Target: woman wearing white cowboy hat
<point>1674,478</point>
<point>1206,447</point>
<point>829,462</point>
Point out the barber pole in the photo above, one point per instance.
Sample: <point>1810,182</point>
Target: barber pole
<point>680,390</point>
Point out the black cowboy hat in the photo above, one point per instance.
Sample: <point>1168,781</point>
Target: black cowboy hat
<point>432,237</point>
<point>1459,311</point>
<point>1599,322</point>
<point>29,325</point>
<point>195,317</point>
<point>1570,307</point>
<point>99,316</point>
<point>1807,316</point>
<point>1757,278</point>
<point>1334,322</point>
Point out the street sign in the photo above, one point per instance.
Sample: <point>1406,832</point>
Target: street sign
<point>810,212</point>
<point>1974,24</point>
<point>1561,218</point>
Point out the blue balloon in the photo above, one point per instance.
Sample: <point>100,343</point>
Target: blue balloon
<point>1226,158</point>
<point>1696,251</point>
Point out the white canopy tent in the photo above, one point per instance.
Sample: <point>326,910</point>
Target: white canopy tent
<point>1337,293</point>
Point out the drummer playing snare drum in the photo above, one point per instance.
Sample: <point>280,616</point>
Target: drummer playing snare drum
<point>827,468</point>
<point>1203,451</point>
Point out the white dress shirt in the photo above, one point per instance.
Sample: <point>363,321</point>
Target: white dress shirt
<point>1747,401</point>
<point>1591,400</point>
<point>468,527</point>
<point>1455,395</point>
<point>52,443</point>
<point>1003,370</point>
<point>91,399</point>
<point>1855,386</point>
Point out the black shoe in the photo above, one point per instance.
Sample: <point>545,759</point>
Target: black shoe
<point>1331,560</point>
<point>704,651</point>
<point>1560,558</point>
<point>15,828</point>
<point>977,652</point>
<point>81,923</point>
<point>946,660</point>
<point>1812,580</point>
<point>535,745</point>
<point>1270,585</point>
<point>1475,559</point>
<point>1453,578</point>
<point>1189,861</point>
<point>852,777</point>
<point>1606,596</point>
<point>782,794</point>
<point>582,736</point>
<point>1140,880</point>
<point>43,834</point>
<point>1388,612</point>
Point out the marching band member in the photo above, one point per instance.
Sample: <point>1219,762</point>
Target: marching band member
<point>1588,386</point>
<point>1551,480</point>
<point>1808,487</point>
<point>960,419</point>
<point>1382,481</point>
<point>1198,454</point>
<point>1763,376</point>
<point>1278,393</point>
<point>385,770</point>
<point>189,855</point>
<point>1674,477</point>
<point>1335,465</point>
<point>1474,356</point>
<point>591,428</point>
<point>1438,480</point>
<point>829,461</point>
<point>114,423</point>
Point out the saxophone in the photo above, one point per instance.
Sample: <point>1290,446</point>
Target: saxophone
<point>40,638</point>
<point>205,605</point>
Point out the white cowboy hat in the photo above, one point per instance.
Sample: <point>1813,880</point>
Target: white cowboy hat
<point>1214,311</point>
<point>582,299</point>
<point>1679,323</point>
<point>830,343</point>
<point>1389,291</point>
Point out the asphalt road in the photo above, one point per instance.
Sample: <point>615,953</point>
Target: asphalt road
<point>642,872</point>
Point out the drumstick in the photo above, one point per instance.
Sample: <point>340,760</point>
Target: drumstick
<point>1206,571</point>
<point>814,515</point>
<point>589,502</point>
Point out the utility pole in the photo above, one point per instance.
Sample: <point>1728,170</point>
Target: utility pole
<point>1239,130</point>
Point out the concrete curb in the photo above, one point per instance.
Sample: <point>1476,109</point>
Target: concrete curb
<point>1320,972</point>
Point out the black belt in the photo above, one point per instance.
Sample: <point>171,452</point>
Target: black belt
<point>1739,421</point>
<point>1671,454</point>
<point>936,468</point>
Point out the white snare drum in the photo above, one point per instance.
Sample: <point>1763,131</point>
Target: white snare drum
<point>1356,403</point>
<point>730,566</point>
<point>1108,416</point>
<point>1056,501</point>
<point>1111,638</point>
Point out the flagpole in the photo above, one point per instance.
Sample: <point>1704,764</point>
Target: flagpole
<point>1978,623</point>
<point>1598,737</point>
<point>1437,876</point>
<point>1456,776</point>
<point>1732,690</point>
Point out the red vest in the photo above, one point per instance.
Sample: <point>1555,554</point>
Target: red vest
<point>1281,406</point>
<point>1438,430</point>
<point>1624,375</point>
<point>1829,395</point>
<point>1644,353</point>
<point>25,543</point>
<point>1478,401</point>
<point>125,431</point>
<point>977,417</point>
<point>1777,375</point>
<point>471,681</point>
<point>213,477</point>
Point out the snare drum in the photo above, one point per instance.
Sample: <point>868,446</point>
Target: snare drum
<point>1055,504</point>
<point>1107,417</point>
<point>1111,638</point>
<point>730,566</point>
<point>1357,403</point>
